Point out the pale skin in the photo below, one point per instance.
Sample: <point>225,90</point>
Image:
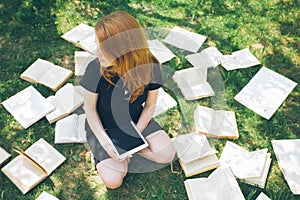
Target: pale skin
<point>112,170</point>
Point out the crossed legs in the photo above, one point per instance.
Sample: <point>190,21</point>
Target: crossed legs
<point>160,150</point>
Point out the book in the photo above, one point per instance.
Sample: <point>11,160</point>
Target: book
<point>215,123</point>
<point>192,83</point>
<point>195,154</point>
<point>46,196</point>
<point>126,139</point>
<point>82,36</point>
<point>249,167</point>
<point>4,155</point>
<point>65,101</point>
<point>164,102</point>
<point>27,106</point>
<point>185,39</point>
<point>70,129</point>
<point>265,92</point>
<point>32,166</point>
<point>208,57</point>
<point>46,73</point>
<point>239,59</point>
<point>220,184</point>
<point>160,51</point>
<point>262,196</point>
<point>287,153</point>
<point>82,59</point>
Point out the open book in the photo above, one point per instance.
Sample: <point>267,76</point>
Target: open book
<point>185,39</point>
<point>265,92</point>
<point>46,196</point>
<point>287,153</point>
<point>70,129</point>
<point>46,73</point>
<point>27,106</point>
<point>209,57</point>
<point>239,59</point>
<point>192,83</point>
<point>164,102</point>
<point>195,154</point>
<point>83,36</point>
<point>34,165</point>
<point>215,123</point>
<point>65,101</point>
<point>250,167</point>
<point>160,51</point>
<point>220,185</point>
<point>82,59</point>
<point>3,155</point>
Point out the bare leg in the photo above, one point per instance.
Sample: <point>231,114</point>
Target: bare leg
<point>161,149</point>
<point>112,172</point>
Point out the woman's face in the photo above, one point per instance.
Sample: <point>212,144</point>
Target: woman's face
<point>103,60</point>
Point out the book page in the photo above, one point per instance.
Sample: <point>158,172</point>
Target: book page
<point>228,126</point>
<point>265,92</point>
<point>36,70</point>
<point>200,165</point>
<point>197,91</point>
<point>209,57</point>
<point>196,187</point>
<point>192,146</point>
<point>292,177</point>
<point>164,102</point>
<point>70,129</point>
<point>160,51</point>
<point>46,196</point>
<point>23,173</point>
<point>46,155</point>
<point>3,155</point>
<point>262,196</point>
<point>55,76</point>
<point>27,106</point>
<point>78,33</point>
<point>185,39</point>
<point>203,119</point>
<point>82,59</point>
<point>244,164</point>
<point>89,44</point>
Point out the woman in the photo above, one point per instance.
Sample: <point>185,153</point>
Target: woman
<point>125,77</point>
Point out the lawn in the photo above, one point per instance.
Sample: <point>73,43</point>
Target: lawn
<point>31,29</point>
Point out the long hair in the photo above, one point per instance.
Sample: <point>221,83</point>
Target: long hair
<point>123,42</point>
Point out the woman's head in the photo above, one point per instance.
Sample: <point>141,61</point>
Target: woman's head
<point>123,47</point>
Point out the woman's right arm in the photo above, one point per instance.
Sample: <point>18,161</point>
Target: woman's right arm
<point>90,107</point>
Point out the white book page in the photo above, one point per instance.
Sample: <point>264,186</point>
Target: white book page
<point>27,106</point>
<point>36,70</point>
<point>287,153</point>
<point>265,92</point>
<point>78,33</point>
<point>196,187</point>
<point>46,196</point>
<point>228,126</point>
<point>160,51</point>
<point>23,173</point>
<point>89,44</point>
<point>245,58</point>
<point>261,180</point>
<point>209,57</point>
<point>200,91</point>
<point>190,77</point>
<point>185,39</point>
<point>229,62</point>
<point>292,176</point>
<point>244,164</point>
<point>200,165</point>
<point>3,155</point>
<point>262,196</point>
<point>164,102</point>
<point>46,155</point>
<point>203,119</point>
<point>81,128</point>
<point>58,111</point>
<point>55,76</point>
<point>192,146</point>
<point>82,59</point>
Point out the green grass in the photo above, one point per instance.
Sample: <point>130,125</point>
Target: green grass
<point>269,28</point>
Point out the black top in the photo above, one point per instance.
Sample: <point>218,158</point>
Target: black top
<point>113,105</point>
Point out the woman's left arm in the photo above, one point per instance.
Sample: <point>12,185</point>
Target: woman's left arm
<point>148,110</point>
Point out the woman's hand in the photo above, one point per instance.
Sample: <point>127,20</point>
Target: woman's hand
<point>112,153</point>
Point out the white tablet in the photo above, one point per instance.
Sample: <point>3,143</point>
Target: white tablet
<point>126,139</point>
